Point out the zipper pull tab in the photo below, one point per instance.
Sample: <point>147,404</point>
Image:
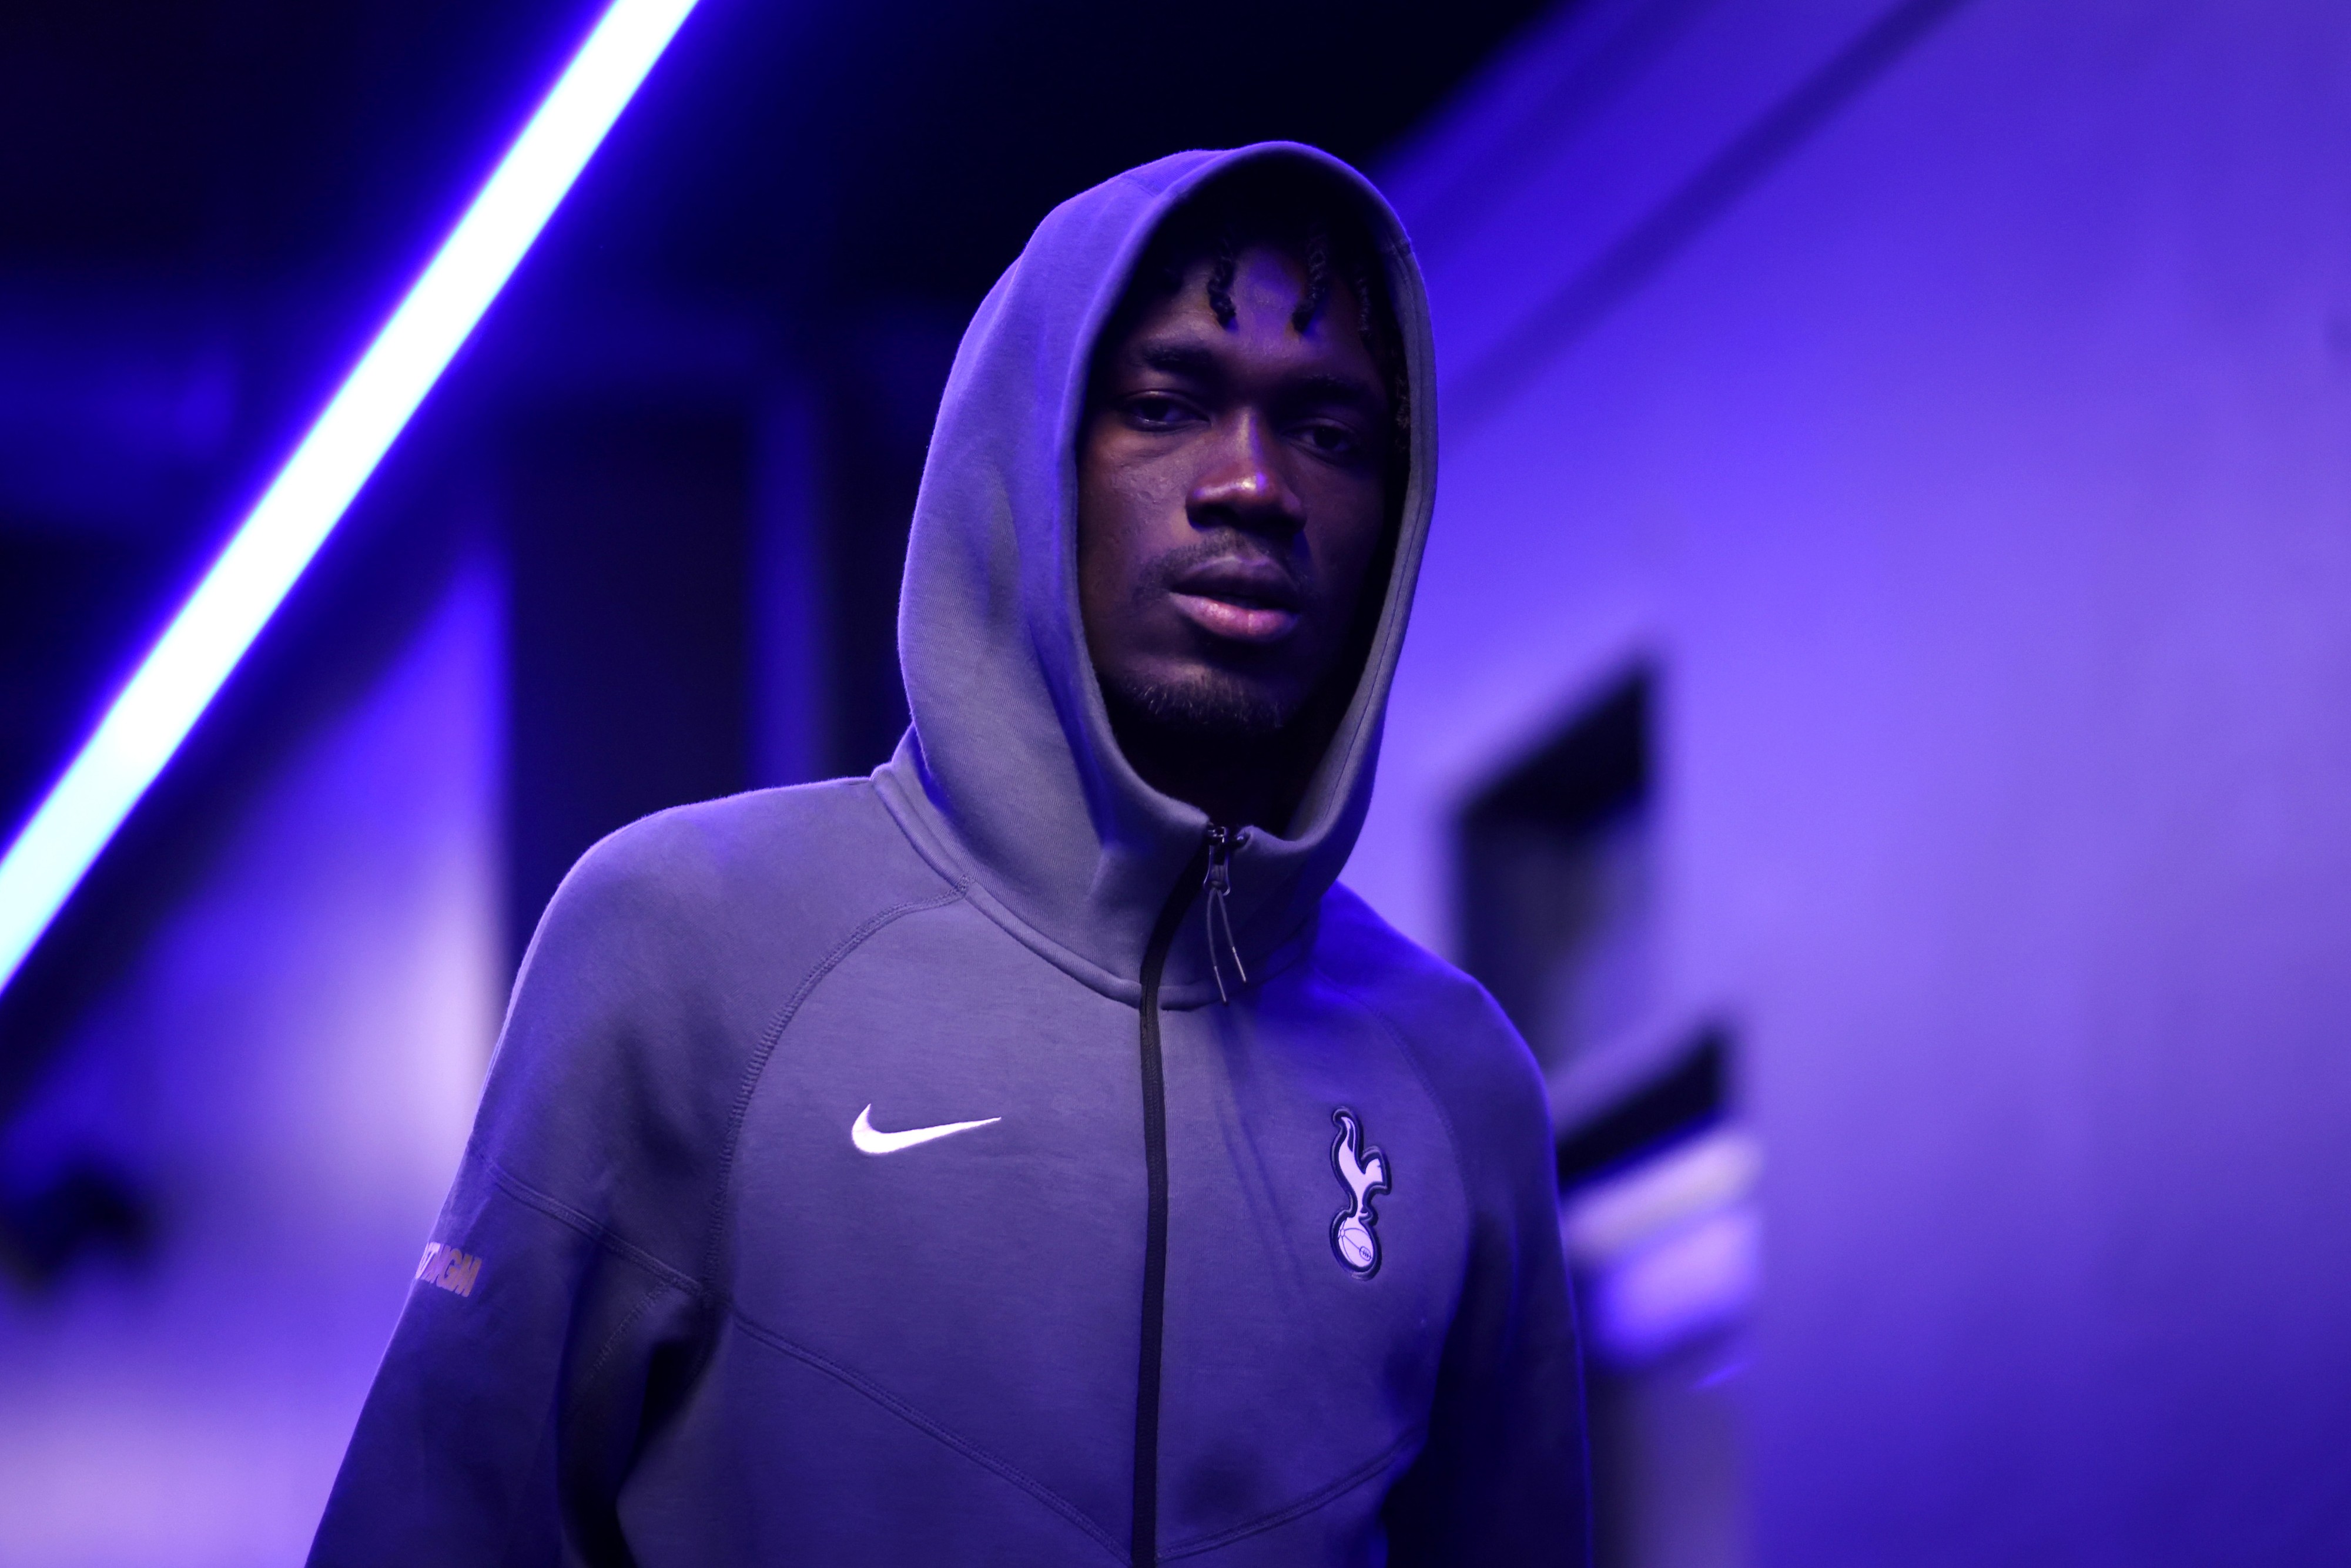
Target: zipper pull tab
<point>1222,842</point>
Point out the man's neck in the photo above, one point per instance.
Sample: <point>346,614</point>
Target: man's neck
<point>1239,780</point>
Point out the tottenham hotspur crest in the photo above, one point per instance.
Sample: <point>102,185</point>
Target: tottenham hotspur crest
<point>1364,1174</point>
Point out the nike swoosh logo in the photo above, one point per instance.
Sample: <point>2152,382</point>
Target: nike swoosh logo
<point>869,1141</point>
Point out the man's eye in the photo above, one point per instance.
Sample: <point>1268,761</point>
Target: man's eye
<point>1153,410</point>
<point>1332,440</point>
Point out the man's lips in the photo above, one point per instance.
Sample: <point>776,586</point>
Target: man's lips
<point>1247,600</point>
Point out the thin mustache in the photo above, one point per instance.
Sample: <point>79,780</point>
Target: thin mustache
<point>1165,573</point>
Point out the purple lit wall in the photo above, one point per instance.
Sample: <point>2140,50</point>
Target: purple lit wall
<point>1970,450</point>
<point>290,1066</point>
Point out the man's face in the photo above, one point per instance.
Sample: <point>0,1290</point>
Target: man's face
<point>1232,497</point>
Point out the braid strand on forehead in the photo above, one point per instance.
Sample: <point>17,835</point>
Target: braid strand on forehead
<point>1318,279</point>
<point>1220,279</point>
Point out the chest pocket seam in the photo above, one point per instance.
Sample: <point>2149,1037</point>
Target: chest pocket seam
<point>1369,1470</point>
<point>1003,1470</point>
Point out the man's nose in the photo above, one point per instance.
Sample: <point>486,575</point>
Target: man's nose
<point>1243,486</point>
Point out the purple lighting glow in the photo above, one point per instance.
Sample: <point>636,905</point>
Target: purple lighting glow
<point>205,641</point>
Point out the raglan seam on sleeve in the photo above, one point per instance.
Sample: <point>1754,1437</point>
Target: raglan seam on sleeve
<point>756,1069</point>
<point>1321,1498</point>
<point>1427,1085</point>
<point>555,1208</point>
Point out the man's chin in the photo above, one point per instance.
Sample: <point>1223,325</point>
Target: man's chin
<point>1207,706</point>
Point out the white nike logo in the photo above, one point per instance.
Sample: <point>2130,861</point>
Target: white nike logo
<point>871,1142</point>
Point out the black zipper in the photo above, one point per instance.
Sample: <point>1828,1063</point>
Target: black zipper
<point>1222,842</point>
<point>1210,869</point>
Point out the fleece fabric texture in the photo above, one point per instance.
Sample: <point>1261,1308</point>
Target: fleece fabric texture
<point>685,1307</point>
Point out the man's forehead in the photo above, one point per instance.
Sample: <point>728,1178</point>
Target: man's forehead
<point>1178,329</point>
<point>1194,346</point>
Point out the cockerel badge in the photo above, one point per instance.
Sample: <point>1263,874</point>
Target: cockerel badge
<point>1364,1174</point>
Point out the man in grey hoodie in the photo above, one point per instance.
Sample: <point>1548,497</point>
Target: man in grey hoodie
<point>1029,1153</point>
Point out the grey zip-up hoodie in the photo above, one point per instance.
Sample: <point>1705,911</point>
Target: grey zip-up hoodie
<point>1271,1281</point>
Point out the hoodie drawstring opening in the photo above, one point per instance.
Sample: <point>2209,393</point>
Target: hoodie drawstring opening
<point>1218,918</point>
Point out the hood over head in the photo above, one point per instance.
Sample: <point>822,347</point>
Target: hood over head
<point>1010,778</point>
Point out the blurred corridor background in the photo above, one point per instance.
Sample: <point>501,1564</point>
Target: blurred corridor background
<point>1878,713</point>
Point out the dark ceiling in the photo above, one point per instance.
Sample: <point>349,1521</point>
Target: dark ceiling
<point>907,146</point>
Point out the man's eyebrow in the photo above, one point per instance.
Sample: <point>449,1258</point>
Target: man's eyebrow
<point>1316,386</point>
<point>1331,387</point>
<point>1178,359</point>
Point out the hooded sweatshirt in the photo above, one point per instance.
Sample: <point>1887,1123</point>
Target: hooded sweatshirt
<point>872,1172</point>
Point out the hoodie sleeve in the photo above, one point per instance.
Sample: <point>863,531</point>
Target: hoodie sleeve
<point>506,1409</point>
<point>1503,1479</point>
<point>557,1305</point>
<point>564,1304</point>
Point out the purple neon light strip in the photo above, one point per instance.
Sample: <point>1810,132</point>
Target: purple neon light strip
<point>185,669</point>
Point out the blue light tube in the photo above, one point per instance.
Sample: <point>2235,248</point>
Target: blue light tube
<point>185,668</point>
